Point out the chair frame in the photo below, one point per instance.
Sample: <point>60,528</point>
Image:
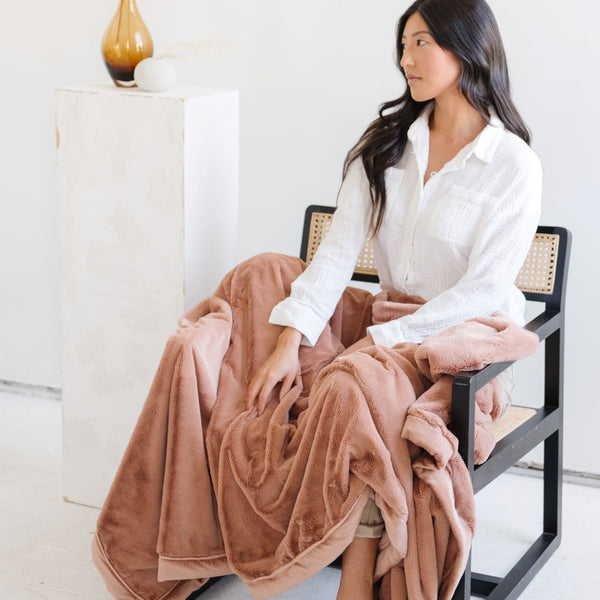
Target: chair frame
<point>545,426</point>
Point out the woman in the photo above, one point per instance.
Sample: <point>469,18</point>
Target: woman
<point>449,190</point>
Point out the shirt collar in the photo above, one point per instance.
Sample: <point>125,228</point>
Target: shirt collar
<point>487,141</point>
<point>483,146</point>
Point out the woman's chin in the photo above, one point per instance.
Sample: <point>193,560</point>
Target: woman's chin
<point>419,96</point>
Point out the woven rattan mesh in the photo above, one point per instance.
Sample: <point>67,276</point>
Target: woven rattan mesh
<point>319,226</point>
<point>510,420</point>
<point>539,269</point>
<point>536,275</point>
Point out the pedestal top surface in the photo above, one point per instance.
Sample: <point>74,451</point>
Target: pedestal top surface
<point>182,92</point>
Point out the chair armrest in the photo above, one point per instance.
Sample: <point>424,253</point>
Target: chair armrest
<point>543,325</point>
<point>467,383</point>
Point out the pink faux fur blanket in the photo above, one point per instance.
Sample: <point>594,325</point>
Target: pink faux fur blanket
<point>207,488</point>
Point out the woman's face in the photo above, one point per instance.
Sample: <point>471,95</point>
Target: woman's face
<point>431,71</point>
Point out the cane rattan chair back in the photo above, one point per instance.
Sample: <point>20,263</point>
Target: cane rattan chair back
<point>542,278</point>
<point>536,277</point>
<point>317,220</point>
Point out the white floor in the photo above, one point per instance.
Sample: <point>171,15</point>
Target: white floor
<point>44,541</point>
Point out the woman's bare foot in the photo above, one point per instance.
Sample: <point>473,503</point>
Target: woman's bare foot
<point>358,564</point>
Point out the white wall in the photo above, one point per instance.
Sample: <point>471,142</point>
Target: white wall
<point>311,76</point>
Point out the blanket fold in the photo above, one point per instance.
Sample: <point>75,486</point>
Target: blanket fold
<point>207,488</point>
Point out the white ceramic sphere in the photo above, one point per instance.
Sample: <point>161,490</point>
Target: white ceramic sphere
<point>155,75</point>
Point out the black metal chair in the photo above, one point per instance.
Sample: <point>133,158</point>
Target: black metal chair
<point>543,278</point>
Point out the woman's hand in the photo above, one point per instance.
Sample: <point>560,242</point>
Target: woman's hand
<point>282,365</point>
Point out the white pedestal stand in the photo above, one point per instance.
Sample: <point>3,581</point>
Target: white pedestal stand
<point>148,198</point>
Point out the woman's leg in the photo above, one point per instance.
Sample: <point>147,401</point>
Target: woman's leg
<point>358,564</point>
<point>358,560</point>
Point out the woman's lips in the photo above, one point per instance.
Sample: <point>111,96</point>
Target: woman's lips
<point>412,79</point>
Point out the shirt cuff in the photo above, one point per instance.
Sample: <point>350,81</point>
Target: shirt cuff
<point>291,313</point>
<point>387,334</point>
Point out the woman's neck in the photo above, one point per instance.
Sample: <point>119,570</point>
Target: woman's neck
<point>454,119</point>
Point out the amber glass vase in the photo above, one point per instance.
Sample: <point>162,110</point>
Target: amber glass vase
<point>125,43</point>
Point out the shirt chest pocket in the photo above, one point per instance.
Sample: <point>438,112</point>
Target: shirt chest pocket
<point>456,216</point>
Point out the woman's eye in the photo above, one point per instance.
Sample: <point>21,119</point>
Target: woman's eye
<point>404,45</point>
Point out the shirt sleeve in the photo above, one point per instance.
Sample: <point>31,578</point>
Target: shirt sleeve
<point>503,240</point>
<point>316,292</point>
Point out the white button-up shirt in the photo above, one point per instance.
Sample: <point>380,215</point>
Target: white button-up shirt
<point>458,241</point>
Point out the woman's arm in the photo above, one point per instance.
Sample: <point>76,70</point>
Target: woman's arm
<point>316,292</point>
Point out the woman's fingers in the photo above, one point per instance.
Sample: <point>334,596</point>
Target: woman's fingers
<point>260,387</point>
<point>281,366</point>
<point>254,388</point>
<point>286,384</point>
<point>260,392</point>
<point>263,397</point>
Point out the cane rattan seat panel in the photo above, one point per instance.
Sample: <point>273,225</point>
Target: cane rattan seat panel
<point>536,275</point>
<point>513,417</point>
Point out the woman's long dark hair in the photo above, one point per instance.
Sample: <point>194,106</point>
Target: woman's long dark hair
<point>467,29</point>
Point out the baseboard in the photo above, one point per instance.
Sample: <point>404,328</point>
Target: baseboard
<point>569,475</point>
<point>29,389</point>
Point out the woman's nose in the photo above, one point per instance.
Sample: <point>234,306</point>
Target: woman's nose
<point>406,60</point>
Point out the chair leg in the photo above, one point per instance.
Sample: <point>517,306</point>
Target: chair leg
<point>197,593</point>
<point>553,484</point>
<point>553,445</point>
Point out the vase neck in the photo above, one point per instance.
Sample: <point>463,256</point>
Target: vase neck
<point>128,5</point>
